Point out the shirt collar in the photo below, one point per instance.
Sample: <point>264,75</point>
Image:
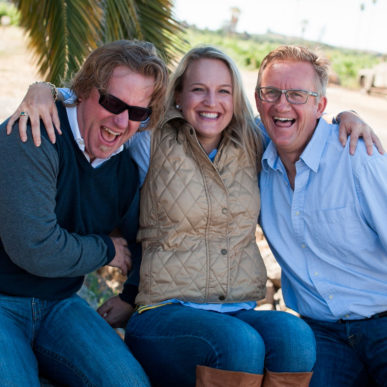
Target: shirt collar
<point>212,154</point>
<point>311,155</point>
<point>270,157</point>
<point>73,121</point>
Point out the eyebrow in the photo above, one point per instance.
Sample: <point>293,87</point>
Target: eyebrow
<point>203,84</point>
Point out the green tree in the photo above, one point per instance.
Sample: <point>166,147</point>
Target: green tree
<point>63,32</point>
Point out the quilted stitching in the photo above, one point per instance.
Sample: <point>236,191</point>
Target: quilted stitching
<point>183,227</point>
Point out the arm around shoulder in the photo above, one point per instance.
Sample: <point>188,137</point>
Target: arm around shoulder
<point>371,186</point>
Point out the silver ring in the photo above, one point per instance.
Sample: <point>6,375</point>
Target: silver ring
<point>23,114</point>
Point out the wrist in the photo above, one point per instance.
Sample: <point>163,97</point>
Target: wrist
<point>50,86</point>
<point>336,119</point>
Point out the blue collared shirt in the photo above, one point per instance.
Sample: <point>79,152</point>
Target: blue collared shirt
<point>329,234</point>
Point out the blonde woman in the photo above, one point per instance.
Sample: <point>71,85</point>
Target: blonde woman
<point>201,271</point>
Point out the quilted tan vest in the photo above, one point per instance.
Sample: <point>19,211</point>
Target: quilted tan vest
<point>198,222</point>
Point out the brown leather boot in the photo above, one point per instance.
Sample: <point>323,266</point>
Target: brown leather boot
<point>286,379</point>
<point>212,377</point>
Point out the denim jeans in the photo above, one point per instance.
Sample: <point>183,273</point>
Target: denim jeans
<point>169,342</point>
<point>66,341</point>
<point>350,354</point>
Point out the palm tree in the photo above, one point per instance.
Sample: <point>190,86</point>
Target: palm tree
<point>63,32</point>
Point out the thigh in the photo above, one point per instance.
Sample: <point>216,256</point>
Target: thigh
<point>77,347</point>
<point>337,364</point>
<point>18,365</point>
<point>289,341</point>
<point>372,346</point>
<point>170,341</point>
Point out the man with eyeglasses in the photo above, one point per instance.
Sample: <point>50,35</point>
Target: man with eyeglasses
<point>60,206</point>
<point>324,216</point>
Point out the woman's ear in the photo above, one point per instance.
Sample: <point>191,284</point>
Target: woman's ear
<point>178,100</point>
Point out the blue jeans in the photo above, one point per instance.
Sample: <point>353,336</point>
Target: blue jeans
<point>169,342</point>
<point>352,354</point>
<point>66,341</point>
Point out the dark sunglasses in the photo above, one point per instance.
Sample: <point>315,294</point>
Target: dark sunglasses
<point>116,106</point>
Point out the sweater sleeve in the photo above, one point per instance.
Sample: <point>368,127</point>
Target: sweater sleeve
<point>29,230</point>
<point>130,288</point>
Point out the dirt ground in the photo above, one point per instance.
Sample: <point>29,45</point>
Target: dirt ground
<point>17,71</point>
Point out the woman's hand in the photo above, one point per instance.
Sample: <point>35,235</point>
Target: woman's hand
<point>37,104</point>
<point>116,312</point>
<point>352,124</point>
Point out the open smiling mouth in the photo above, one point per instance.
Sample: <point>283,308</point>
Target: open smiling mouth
<point>284,122</point>
<point>109,135</point>
<point>211,116</point>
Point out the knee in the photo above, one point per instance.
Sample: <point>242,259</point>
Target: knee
<point>294,349</point>
<point>242,350</point>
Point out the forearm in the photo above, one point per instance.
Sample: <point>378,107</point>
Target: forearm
<point>29,230</point>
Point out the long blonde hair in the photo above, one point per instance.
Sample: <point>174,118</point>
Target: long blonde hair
<point>242,130</point>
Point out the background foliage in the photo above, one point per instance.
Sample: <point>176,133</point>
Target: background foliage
<point>63,32</point>
<point>249,50</point>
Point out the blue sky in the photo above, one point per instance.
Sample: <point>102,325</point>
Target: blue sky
<point>336,22</point>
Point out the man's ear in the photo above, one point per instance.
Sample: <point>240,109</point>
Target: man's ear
<point>321,105</point>
<point>256,99</point>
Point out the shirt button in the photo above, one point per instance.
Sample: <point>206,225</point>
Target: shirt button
<point>224,211</point>
<point>330,296</point>
<point>297,213</point>
<point>222,298</point>
<point>303,246</point>
<point>223,251</point>
<point>316,273</point>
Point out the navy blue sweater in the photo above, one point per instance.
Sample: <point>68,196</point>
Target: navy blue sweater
<point>56,213</point>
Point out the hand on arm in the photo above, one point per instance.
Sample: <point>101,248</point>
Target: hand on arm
<point>38,103</point>
<point>352,124</point>
<point>122,259</point>
<point>116,312</point>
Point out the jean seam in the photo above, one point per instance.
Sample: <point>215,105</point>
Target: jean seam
<point>64,362</point>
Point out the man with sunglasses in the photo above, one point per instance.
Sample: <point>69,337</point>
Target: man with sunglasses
<point>324,216</point>
<point>59,205</point>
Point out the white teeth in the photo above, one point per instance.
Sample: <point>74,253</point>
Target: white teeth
<point>283,119</point>
<point>111,131</point>
<point>209,115</point>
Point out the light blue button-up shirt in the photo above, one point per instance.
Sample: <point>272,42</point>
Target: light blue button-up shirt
<point>329,234</point>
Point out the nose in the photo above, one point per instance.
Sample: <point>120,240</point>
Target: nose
<point>282,101</point>
<point>210,99</point>
<point>122,120</point>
